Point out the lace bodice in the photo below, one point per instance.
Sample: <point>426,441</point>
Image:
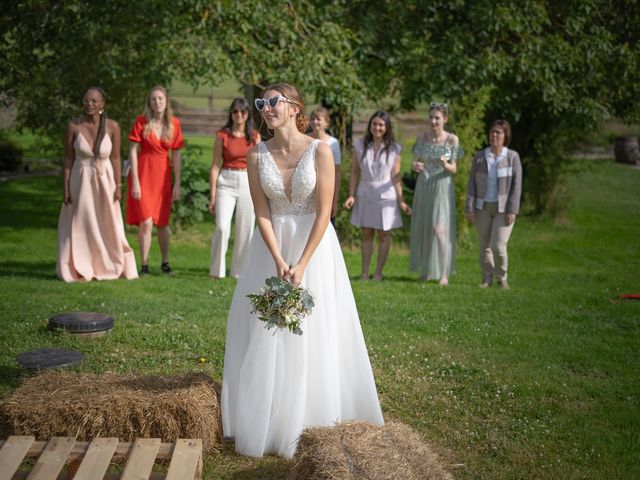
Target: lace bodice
<point>303,182</point>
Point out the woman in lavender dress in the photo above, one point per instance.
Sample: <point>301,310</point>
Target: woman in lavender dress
<point>378,199</point>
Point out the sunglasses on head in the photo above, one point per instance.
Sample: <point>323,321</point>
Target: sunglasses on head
<point>272,102</point>
<point>442,106</point>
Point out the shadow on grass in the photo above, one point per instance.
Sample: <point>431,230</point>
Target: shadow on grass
<point>191,272</point>
<point>385,279</point>
<point>272,471</point>
<point>42,270</point>
<point>31,202</point>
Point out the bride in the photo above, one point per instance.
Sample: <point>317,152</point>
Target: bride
<point>276,385</point>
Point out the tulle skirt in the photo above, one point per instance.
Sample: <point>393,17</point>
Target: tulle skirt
<point>434,209</point>
<point>277,384</point>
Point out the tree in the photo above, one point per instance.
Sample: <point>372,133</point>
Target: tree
<point>302,42</point>
<point>51,52</point>
<point>555,69</point>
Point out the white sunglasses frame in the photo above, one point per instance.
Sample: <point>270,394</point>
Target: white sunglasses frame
<point>267,102</point>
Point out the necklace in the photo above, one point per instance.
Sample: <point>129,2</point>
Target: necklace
<point>436,139</point>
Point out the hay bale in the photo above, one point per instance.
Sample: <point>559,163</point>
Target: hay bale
<point>86,406</point>
<point>359,450</point>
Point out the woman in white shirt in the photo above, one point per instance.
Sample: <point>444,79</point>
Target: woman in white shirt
<point>319,122</point>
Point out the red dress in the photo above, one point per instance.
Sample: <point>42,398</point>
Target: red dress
<point>154,173</point>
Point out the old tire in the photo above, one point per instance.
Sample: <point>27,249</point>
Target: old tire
<point>82,322</point>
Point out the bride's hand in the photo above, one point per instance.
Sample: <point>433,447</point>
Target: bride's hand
<point>296,273</point>
<point>282,269</point>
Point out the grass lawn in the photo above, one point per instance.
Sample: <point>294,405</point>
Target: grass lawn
<point>538,382</point>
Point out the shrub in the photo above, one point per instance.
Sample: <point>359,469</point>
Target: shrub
<point>347,233</point>
<point>467,121</point>
<point>10,156</point>
<point>194,187</point>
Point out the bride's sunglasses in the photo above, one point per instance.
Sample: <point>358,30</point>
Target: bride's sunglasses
<point>272,102</point>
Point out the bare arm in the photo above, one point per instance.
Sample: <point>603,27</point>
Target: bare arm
<point>216,164</point>
<point>115,160</point>
<point>135,179</point>
<point>175,160</point>
<point>450,167</point>
<point>263,213</point>
<point>397,185</point>
<point>353,179</point>
<point>325,182</point>
<point>417,165</point>
<point>68,162</point>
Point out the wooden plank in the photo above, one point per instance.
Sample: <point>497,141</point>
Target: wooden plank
<point>91,460</point>
<point>116,476</point>
<point>12,454</point>
<point>97,459</point>
<point>80,448</point>
<point>52,459</point>
<point>186,462</point>
<point>141,459</point>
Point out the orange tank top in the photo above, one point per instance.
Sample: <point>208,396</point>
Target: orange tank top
<point>235,149</point>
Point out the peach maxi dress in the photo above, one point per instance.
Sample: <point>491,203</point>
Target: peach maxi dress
<point>91,240</point>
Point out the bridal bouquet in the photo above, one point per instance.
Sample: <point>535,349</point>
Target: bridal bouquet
<point>281,304</point>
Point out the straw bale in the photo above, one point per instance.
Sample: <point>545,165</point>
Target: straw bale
<point>86,406</point>
<point>359,450</point>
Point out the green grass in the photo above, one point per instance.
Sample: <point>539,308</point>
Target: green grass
<point>537,382</point>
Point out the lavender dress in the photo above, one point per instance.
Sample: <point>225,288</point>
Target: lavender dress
<point>376,203</point>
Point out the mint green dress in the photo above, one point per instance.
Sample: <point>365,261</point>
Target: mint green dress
<point>434,212</point>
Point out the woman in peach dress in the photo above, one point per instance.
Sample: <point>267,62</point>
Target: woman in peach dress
<point>91,240</point>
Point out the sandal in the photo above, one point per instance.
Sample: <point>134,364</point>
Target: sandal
<point>166,269</point>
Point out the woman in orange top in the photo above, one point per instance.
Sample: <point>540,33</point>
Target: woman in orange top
<point>230,188</point>
<point>150,194</point>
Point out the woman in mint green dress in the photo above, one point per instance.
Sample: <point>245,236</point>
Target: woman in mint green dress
<point>433,222</point>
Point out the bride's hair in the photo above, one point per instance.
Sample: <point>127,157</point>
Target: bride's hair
<point>292,93</point>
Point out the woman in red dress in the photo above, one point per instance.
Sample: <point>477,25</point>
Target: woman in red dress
<point>149,198</point>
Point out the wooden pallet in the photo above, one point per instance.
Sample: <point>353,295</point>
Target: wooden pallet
<point>90,460</point>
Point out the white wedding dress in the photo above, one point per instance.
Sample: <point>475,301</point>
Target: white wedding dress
<point>277,384</point>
